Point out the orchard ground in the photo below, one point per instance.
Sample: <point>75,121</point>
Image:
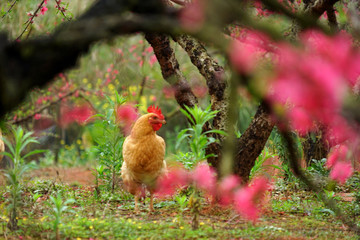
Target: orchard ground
<point>288,214</point>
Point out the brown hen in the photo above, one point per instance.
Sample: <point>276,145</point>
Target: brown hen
<point>143,153</point>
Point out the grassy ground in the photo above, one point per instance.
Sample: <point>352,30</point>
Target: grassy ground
<point>288,215</point>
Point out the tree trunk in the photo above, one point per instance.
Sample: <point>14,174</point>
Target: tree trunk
<point>252,142</point>
<point>216,83</point>
<point>170,69</point>
<point>314,147</point>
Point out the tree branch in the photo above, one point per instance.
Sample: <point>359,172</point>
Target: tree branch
<point>330,203</point>
<point>11,7</point>
<point>32,63</point>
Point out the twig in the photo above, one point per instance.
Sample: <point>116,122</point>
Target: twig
<point>12,5</point>
<point>17,121</point>
<point>330,203</point>
<point>31,19</point>
<point>62,10</point>
<point>143,81</point>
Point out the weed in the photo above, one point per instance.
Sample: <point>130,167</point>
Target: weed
<point>15,173</point>
<point>58,208</point>
<point>109,144</point>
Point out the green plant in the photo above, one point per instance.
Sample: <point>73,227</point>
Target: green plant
<point>197,139</point>
<point>58,207</point>
<point>109,141</point>
<point>317,166</point>
<point>182,202</point>
<point>282,151</point>
<point>259,163</point>
<point>15,172</point>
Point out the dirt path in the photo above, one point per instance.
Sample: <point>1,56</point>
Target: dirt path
<point>74,175</point>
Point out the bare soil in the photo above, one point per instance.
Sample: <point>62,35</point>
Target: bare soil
<point>75,175</point>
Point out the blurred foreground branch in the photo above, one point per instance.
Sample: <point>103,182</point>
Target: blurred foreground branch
<point>33,63</point>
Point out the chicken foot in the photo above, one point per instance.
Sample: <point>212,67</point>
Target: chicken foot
<point>151,209</point>
<point>137,204</point>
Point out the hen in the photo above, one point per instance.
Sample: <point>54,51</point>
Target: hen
<point>143,153</point>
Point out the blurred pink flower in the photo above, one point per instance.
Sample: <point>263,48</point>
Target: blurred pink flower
<point>174,179</point>
<point>226,189</point>
<point>126,115</point>
<point>300,121</point>
<point>200,91</point>
<point>169,92</point>
<point>341,171</point>
<point>43,10</point>
<point>317,85</point>
<point>152,60</point>
<point>37,116</point>
<point>242,57</point>
<point>192,16</point>
<point>79,114</point>
<point>247,199</point>
<point>204,178</point>
<point>339,153</point>
<point>149,50</point>
<point>244,51</point>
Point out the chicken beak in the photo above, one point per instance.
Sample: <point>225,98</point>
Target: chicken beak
<point>163,121</point>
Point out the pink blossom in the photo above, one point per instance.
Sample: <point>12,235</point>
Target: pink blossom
<point>153,98</point>
<point>152,60</point>
<point>300,120</point>
<point>167,184</point>
<point>341,171</point>
<point>200,91</point>
<point>316,86</point>
<point>260,9</point>
<point>120,52</point>
<point>169,92</point>
<point>204,177</point>
<point>132,48</point>
<point>247,199</point>
<point>339,131</point>
<point>244,51</point>
<point>242,57</point>
<point>192,16</point>
<point>43,10</point>
<point>226,189</point>
<point>80,114</point>
<point>149,50</point>
<point>126,116</point>
<point>339,153</point>
<point>37,116</point>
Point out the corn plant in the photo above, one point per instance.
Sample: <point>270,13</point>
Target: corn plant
<point>15,173</point>
<point>58,208</point>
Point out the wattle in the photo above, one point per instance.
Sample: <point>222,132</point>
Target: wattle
<point>156,126</point>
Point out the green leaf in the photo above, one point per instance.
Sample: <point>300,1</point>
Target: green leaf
<point>216,131</point>
<point>34,152</point>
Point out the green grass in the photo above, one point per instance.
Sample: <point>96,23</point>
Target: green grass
<point>111,216</point>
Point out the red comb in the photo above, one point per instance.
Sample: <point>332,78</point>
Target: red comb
<point>156,110</point>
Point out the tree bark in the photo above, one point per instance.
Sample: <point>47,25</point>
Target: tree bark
<point>252,142</point>
<point>314,147</point>
<point>215,80</point>
<point>170,69</point>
